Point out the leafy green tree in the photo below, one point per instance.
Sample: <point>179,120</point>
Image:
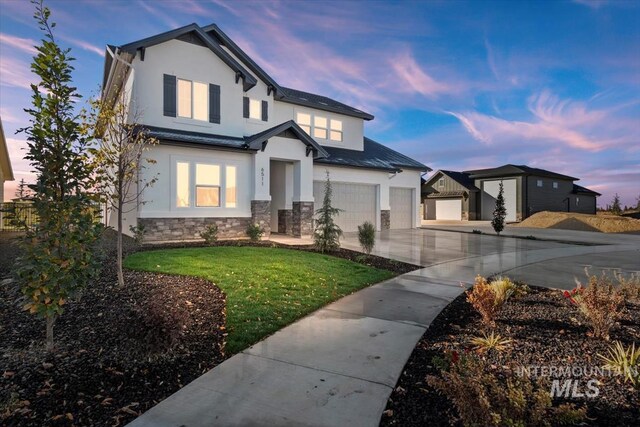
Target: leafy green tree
<point>327,233</point>
<point>615,205</point>
<point>119,160</point>
<point>22,192</point>
<point>500,211</point>
<point>58,252</point>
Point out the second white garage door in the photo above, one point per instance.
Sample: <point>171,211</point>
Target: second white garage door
<point>449,209</point>
<point>358,202</point>
<point>401,201</point>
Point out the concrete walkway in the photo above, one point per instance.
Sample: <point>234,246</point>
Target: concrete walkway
<point>338,366</point>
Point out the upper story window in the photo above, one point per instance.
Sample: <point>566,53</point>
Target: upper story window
<point>192,100</point>
<point>539,183</point>
<point>441,182</point>
<point>555,185</point>
<point>323,128</point>
<point>255,109</point>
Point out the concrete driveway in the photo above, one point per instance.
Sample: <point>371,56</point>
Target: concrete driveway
<point>338,365</point>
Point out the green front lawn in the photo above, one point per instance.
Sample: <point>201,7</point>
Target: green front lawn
<point>266,288</point>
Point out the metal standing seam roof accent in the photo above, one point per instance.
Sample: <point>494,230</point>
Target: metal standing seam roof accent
<point>374,156</point>
<point>446,194</point>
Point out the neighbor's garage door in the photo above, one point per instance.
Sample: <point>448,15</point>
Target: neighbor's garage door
<point>490,193</point>
<point>358,202</point>
<point>401,201</point>
<point>449,209</point>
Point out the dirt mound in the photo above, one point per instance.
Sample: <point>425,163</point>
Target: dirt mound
<point>582,222</point>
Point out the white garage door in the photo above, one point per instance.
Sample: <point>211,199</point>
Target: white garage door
<point>449,209</point>
<point>491,189</point>
<point>358,202</point>
<point>401,201</point>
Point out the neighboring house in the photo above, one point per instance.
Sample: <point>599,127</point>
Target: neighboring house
<point>237,148</point>
<point>471,195</point>
<point>6,173</point>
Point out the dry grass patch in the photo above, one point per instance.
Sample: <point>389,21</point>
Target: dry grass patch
<point>582,222</point>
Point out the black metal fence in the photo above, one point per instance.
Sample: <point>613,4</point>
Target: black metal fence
<point>14,215</point>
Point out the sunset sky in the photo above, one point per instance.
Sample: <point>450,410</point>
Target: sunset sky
<point>456,85</point>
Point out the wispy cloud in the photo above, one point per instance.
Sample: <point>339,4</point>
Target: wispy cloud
<point>414,78</point>
<point>84,45</point>
<point>15,73</point>
<point>593,4</point>
<point>25,45</point>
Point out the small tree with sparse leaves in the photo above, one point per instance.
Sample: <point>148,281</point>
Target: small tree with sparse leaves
<point>58,253</point>
<point>367,236</point>
<point>119,160</point>
<point>327,233</point>
<point>615,205</point>
<point>500,211</point>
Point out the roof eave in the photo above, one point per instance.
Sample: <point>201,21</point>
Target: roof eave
<point>361,115</point>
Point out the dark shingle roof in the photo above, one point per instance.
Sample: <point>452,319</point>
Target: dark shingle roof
<point>510,170</point>
<point>197,138</point>
<point>584,190</point>
<point>374,156</point>
<point>461,178</point>
<point>298,97</point>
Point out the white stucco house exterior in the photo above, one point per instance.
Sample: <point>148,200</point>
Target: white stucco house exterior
<point>6,172</point>
<point>237,147</point>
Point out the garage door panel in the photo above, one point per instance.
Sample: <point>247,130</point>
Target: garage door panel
<point>449,209</point>
<point>358,202</point>
<point>490,193</point>
<point>401,202</point>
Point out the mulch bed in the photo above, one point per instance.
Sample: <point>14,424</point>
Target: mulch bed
<point>109,365</point>
<point>546,331</point>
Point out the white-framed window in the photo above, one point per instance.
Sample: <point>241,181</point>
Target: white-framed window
<point>207,185</point>
<point>255,109</point>
<point>193,100</point>
<point>336,130</point>
<point>320,127</point>
<point>304,120</point>
<point>577,201</point>
<point>441,182</point>
<point>323,128</point>
<point>539,183</point>
<point>231,189</point>
<point>182,185</point>
<point>555,185</point>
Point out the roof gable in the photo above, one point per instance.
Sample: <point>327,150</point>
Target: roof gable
<point>462,178</point>
<point>193,32</point>
<point>286,129</point>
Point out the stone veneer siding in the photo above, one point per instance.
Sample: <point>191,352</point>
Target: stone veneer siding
<point>261,215</point>
<point>385,219</point>
<point>302,219</point>
<point>170,229</point>
<point>285,221</point>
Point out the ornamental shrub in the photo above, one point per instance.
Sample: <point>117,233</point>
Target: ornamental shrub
<point>367,236</point>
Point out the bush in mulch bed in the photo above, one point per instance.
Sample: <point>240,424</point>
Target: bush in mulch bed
<point>544,330</point>
<point>119,351</point>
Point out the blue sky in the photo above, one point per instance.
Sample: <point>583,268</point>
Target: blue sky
<point>457,85</point>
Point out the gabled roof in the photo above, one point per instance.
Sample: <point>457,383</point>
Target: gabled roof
<point>259,140</point>
<point>219,36</point>
<point>374,156</point>
<point>248,80</point>
<point>578,189</point>
<point>446,194</point>
<point>5,161</point>
<point>461,178</point>
<point>306,99</point>
<point>512,170</point>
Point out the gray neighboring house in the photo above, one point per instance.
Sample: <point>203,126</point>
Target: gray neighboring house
<point>471,195</point>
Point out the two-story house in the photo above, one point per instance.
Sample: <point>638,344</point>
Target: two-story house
<point>237,148</point>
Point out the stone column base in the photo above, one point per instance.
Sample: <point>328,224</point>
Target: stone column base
<point>385,219</point>
<point>285,221</point>
<point>261,215</point>
<point>302,224</point>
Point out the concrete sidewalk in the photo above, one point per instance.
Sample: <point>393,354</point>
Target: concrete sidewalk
<point>338,366</point>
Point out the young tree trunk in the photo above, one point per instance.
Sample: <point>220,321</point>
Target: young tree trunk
<point>50,320</point>
<point>119,248</point>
